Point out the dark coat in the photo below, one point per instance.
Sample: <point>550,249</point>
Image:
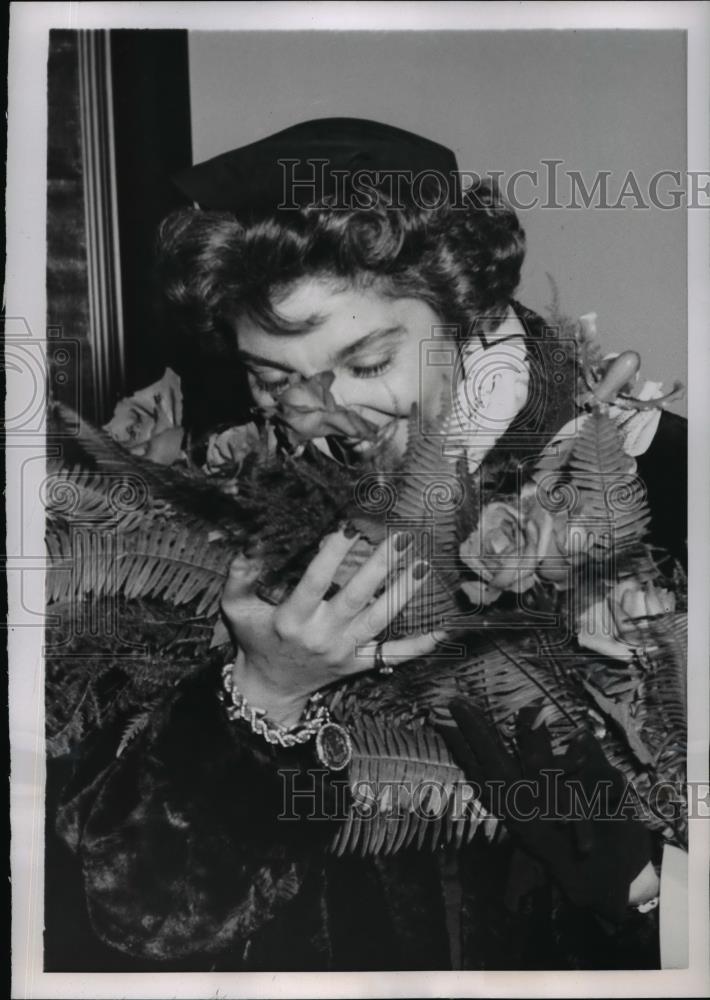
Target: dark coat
<point>185,866</point>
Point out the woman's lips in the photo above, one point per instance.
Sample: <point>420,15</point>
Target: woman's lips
<point>386,434</point>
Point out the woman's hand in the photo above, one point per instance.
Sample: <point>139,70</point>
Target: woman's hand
<point>568,811</point>
<point>286,653</point>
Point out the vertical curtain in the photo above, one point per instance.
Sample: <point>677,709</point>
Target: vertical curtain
<point>101,220</point>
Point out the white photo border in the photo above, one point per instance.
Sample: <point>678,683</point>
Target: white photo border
<point>26,308</point>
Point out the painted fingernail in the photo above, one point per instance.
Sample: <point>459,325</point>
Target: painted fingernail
<point>402,541</point>
<point>421,570</point>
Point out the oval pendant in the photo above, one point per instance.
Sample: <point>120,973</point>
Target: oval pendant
<point>334,747</point>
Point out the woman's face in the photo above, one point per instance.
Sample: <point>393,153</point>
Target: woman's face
<point>374,345</point>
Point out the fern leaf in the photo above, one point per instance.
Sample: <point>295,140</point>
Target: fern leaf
<point>166,561</point>
<point>620,715</point>
<point>602,472</point>
<point>429,497</point>
<point>397,767</point>
<point>191,498</point>
<point>136,725</point>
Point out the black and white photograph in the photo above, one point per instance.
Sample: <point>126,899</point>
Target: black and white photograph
<point>357,571</point>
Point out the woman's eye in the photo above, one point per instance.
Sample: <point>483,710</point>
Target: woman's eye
<point>371,371</point>
<point>273,387</point>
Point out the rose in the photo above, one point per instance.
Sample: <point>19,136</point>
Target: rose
<point>558,544</point>
<point>165,446</point>
<point>502,551</point>
<point>146,432</point>
<point>133,424</point>
<point>513,547</point>
<point>227,449</point>
<point>148,423</point>
<point>309,410</point>
<point>615,624</point>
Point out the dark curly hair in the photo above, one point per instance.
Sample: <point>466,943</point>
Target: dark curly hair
<point>463,260</point>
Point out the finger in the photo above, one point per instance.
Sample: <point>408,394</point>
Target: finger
<point>398,651</point>
<point>361,588</point>
<point>318,577</point>
<point>483,740</point>
<point>412,646</point>
<point>243,575</point>
<point>242,610</point>
<point>381,612</point>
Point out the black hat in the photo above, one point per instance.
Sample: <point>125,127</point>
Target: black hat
<point>255,180</point>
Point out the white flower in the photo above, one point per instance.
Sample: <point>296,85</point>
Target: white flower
<point>149,422</point>
<point>614,625</point>
<point>588,326</point>
<point>637,427</point>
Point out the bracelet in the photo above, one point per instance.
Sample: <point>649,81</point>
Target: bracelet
<point>333,743</point>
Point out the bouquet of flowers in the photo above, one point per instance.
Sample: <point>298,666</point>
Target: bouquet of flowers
<point>549,592</point>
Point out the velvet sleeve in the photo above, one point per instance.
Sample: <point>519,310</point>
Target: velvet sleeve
<point>183,843</point>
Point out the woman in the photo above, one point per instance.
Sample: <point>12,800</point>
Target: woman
<point>285,275</point>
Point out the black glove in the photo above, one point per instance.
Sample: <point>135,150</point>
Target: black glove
<point>593,859</point>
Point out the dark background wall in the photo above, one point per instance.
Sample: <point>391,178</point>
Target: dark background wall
<point>151,103</point>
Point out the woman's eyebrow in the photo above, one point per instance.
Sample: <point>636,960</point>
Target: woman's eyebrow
<point>256,359</point>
